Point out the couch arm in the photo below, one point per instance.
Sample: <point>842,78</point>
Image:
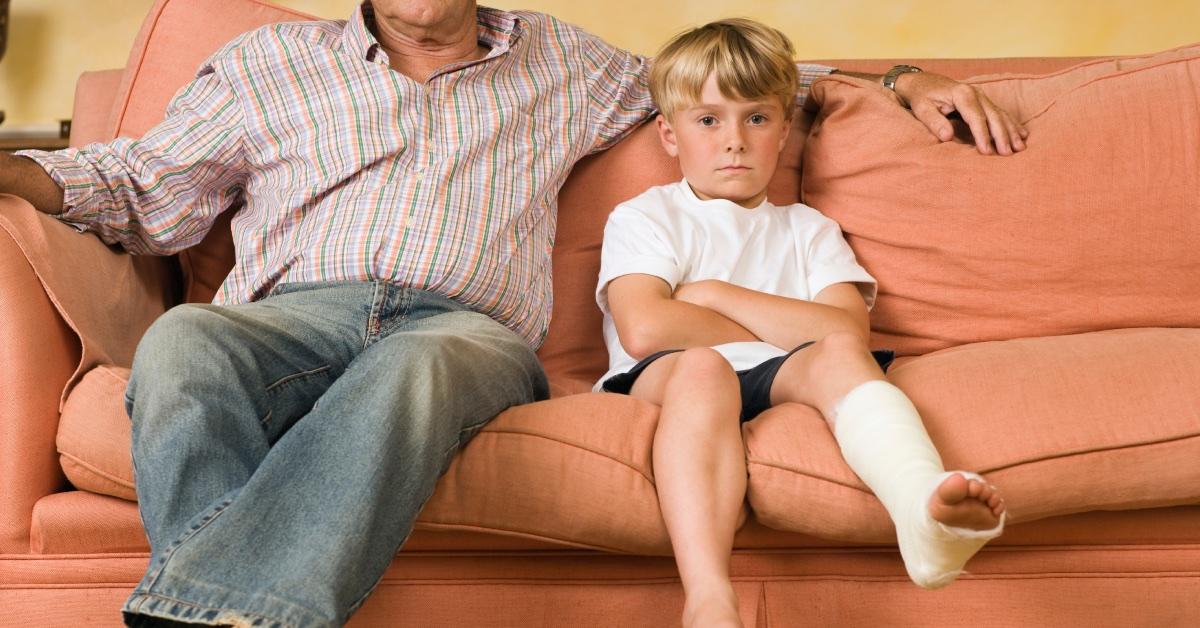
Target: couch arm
<point>67,303</point>
<point>92,119</point>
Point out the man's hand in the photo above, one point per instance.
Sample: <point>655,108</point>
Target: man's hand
<point>932,97</point>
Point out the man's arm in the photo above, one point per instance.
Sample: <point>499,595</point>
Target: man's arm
<point>932,97</point>
<point>649,320</point>
<point>21,176</point>
<point>155,195</point>
<point>782,321</point>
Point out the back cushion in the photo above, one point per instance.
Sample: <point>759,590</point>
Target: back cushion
<point>1092,227</point>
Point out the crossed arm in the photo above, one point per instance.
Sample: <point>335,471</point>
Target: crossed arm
<point>650,318</point>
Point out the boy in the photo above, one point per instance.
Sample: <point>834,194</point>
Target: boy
<point>704,285</point>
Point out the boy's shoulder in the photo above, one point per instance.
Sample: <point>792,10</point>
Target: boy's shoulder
<point>801,213</point>
<point>650,202</point>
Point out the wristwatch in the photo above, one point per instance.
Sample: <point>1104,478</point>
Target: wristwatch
<point>889,79</point>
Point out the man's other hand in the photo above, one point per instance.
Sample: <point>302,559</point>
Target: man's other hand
<point>932,97</point>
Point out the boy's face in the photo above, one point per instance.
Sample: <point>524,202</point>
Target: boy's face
<point>726,148</point>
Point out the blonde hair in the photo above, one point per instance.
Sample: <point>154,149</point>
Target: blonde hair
<point>750,60</point>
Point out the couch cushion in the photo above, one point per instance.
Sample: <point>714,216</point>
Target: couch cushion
<point>548,471</point>
<point>1092,227</point>
<point>94,434</point>
<point>1099,421</point>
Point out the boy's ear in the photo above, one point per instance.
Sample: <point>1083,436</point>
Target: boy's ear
<point>666,135</point>
<point>787,130</point>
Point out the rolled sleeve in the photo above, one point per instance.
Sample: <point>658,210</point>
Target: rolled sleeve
<point>71,170</point>
<point>634,244</point>
<point>830,260</point>
<point>809,73</point>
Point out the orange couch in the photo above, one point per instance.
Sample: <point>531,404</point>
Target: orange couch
<point>1045,307</point>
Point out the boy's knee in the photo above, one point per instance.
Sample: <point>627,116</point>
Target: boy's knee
<point>703,364</point>
<point>841,344</point>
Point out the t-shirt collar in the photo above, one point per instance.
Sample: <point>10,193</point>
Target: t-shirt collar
<point>690,194</point>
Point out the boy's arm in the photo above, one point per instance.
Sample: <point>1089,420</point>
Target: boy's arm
<point>649,320</point>
<point>782,321</point>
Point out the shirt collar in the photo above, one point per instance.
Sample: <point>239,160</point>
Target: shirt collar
<point>497,30</point>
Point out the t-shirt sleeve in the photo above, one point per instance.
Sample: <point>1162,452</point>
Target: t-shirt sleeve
<point>635,244</point>
<point>830,260</point>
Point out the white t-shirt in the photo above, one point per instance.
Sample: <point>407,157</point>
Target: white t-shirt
<point>792,251</point>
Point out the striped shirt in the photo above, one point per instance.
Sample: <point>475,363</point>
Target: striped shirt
<point>342,169</point>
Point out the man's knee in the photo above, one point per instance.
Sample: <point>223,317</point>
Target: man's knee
<point>181,331</point>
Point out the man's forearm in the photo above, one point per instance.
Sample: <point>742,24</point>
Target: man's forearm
<point>23,177</point>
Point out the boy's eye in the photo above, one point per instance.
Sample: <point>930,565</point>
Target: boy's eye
<point>758,118</point>
<point>708,120</point>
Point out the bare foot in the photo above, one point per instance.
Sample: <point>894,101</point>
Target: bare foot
<point>716,609</point>
<point>962,503</point>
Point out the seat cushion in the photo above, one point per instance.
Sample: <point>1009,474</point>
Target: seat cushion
<point>547,471</point>
<point>1093,227</point>
<point>1099,421</point>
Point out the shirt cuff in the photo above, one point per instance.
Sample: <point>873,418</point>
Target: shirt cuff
<point>75,179</point>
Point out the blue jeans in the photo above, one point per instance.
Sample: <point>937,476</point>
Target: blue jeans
<point>283,448</point>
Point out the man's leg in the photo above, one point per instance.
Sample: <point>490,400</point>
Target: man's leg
<point>301,537</point>
<point>941,519</point>
<point>699,473</point>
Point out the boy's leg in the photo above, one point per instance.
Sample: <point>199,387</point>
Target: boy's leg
<point>941,519</point>
<point>303,518</point>
<point>699,473</point>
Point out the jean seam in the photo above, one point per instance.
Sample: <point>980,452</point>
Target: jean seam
<point>371,333</point>
<point>284,381</point>
<point>169,552</point>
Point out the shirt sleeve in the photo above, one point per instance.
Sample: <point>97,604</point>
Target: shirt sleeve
<point>618,90</point>
<point>830,260</point>
<point>809,73</point>
<point>159,194</point>
<point>635,244</point>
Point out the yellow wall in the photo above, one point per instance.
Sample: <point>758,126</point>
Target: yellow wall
<point>52,41</point>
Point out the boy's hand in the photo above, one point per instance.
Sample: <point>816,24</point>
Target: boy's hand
<point>703,293</point>
<point>932,97</point>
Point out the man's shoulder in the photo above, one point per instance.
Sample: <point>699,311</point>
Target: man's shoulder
<point>283,36</point>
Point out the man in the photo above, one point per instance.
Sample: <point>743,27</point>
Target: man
<point>394,178</point>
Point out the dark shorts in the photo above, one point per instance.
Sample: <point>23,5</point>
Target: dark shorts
<point>755,382</point>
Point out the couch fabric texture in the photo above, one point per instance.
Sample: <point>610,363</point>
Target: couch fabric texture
<point>1045,305</point>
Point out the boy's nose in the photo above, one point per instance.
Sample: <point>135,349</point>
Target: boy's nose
<point>734,143</point>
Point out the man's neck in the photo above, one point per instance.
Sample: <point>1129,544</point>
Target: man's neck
<point>418,50</point>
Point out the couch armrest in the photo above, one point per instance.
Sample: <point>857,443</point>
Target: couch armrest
<point>67,303</point>
<point>92,119</point>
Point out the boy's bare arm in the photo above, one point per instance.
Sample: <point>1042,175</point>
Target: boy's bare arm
<point>649,320</point>
<point>782,321</point>
<point>23,177</point>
